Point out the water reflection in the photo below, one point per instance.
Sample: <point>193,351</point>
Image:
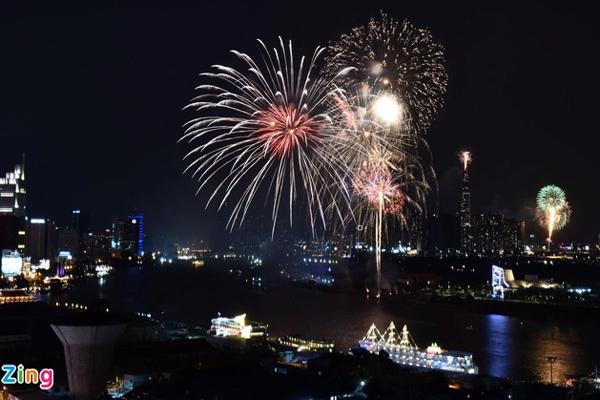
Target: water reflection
<point>498,343</point>
<point>502,346</point>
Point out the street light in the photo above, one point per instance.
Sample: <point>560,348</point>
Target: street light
<point>551,360</point>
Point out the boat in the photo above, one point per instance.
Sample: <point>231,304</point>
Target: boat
<point>403,350</point>
<point>236,327</point>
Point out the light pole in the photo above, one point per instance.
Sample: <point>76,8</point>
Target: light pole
<point>551,361</point>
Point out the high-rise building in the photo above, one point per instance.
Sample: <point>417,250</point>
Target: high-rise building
<point>41,238</point>
<point>128,234</point>
<point>68,241</point>
<point>13,192</point>
<point>100,245</point>
<point>137,229</point>
<point>12,209</point>
<point>12,232</point>
<point>497,235</point>
<point>514,236</point>
<point>466,234</point>
<point>443,234</point>
<point>80,223</point>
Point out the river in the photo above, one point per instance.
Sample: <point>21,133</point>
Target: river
<point>502,346</point>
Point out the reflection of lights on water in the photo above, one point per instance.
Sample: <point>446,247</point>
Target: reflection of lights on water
<point>499,346</point>
<point>101,281</point>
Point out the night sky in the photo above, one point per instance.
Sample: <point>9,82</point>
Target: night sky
<point>94,97</point>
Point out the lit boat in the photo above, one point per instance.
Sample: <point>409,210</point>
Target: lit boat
<point>403,350</point>
<point>236,327</point>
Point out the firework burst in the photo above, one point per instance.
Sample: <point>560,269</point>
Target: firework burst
<point>266,127</point>
<point>553,211</point>
<point>397,56</point>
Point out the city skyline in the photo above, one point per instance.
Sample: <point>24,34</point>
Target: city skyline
<point>298,200</point>
<point>134,162</point>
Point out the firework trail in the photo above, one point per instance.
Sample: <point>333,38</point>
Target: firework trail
<point>553,211</point>
<point>387,179</point>
<point>395,81</point>
<point>266,126</point>
<point>347,140</point>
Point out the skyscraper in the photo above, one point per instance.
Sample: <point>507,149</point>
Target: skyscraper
<point>128,234</point>
<point>41,236</point>
<point>12,209</point>
<point>80,223</point>
<point>13,192</point>
<point>497,235</point>
<point>466,234</point>
<point>137,228</point>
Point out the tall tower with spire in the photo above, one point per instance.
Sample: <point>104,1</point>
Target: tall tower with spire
<point>466,233</point>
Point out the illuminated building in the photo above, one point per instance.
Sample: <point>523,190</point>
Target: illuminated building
<point>402,349</point>
<point>13,192</point>
<point>466,236</point>
<point>100,245</point>
<point>498,282</point>
<point>128,235</point>
<point>504,279</point>
<point>12,263</point>
<point>41,235</point>
<point>13,208</point>
<point>497,235</point>
<point>137,232</point>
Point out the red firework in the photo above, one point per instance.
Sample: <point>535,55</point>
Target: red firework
<point>378,187</point>
<point>284,128</point>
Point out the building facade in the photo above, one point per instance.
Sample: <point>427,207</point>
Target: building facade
<point>464,214</point>
<point>13,205</point>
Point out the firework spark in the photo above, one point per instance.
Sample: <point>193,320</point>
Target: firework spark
<point>465,158</point>
<point>396,56</point>
<point>553,211</point>
<point>382,154</point>
<point>266,127</point>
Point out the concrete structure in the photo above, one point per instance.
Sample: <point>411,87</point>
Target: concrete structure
<point>88,355</point>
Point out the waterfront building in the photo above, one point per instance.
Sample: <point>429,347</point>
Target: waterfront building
<point>11,263</point>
